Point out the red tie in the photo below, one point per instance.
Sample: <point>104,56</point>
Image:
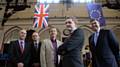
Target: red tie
<point>21,46</point>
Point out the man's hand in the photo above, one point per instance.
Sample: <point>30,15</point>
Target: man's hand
<point>20,65</point>
<point>36,64</point>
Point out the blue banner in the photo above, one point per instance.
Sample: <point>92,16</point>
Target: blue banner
<point>95,12</point>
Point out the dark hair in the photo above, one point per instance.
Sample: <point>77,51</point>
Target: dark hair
<point>52,28</point>
<point>74,19</point>
<point>91,20</point>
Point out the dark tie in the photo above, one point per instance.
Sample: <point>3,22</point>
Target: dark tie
<point>36,46</point>
<point>21,46</point>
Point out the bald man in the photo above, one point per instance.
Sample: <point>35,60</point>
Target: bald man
<point>20,51</point>
<point>36,44</point>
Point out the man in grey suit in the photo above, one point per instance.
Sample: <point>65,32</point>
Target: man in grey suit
<point>70,50</point>
<point>104,47</point>
<point>48,54</point>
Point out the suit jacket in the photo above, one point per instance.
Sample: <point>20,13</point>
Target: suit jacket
<point>71,49</point>
<point>17,56</point>
<point>47,53</point>
<point>106,51</point>
<point>35,54</point>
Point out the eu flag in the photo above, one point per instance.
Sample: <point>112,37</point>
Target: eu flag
<point>95,12</point>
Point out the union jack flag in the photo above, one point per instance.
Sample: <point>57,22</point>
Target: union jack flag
<point>41,15</point>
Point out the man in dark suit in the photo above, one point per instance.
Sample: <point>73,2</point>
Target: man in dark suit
<point>20,51</point>
<point>104,47</point>
<point>36,44</point>
<point>70,50</point>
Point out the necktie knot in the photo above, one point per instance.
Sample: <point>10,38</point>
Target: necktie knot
<point>21,42</point>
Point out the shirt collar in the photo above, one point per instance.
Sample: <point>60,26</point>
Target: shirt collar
<point>53,40</point>
<point>21,41</point>
<point>73,30</point>
<point>98,30</point>
<point>36,42</point>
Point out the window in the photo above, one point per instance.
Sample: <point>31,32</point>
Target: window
<point>82,1</point>
<point>48,1</point>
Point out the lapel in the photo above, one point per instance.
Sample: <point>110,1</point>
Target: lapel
<point>18,46</point>
<point>74,32</point>
<point>99,37</point>
<point>33,46</point>
<point>92,40</point>
<point>39,45</point>
<point>50,44</point>
<point>58,43</point>
<point>25,47</point>
<point>97,43</point>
